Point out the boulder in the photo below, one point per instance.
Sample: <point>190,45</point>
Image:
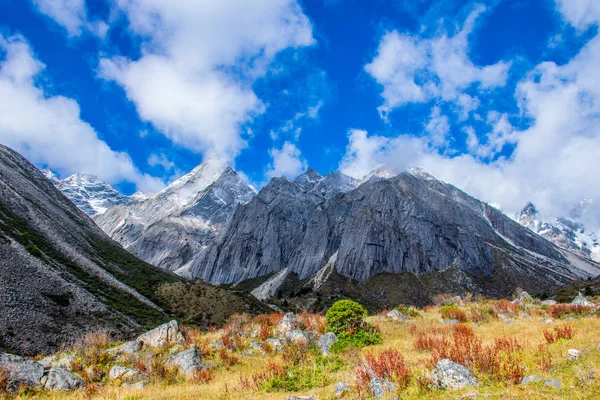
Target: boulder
<point>555,383</point>
<point>397,316</point>
<point>574,354</point>
<point>61,379</point>
<point>289,322</point>
<point>187,361</point>
<point>530,379</point>
<point>548,302</point>
<point>523,298</point>
<point>449,375</point>
<point>162,335</point>
<point>124,374</point>
<point>326,341</point>
<point>126,348</point>
<point>341,388</point>
<point>58,360</point>
<point>22,371</point>
<point>382,388</point>
<point>275,344</point>
<point>581,300</point>
<point>298,336</point>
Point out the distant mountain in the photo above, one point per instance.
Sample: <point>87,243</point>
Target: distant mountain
<point>61,276</point>
<point>567,232</point>
<point>389,239</point>
<point>171,228</point>
<point>89,193</point>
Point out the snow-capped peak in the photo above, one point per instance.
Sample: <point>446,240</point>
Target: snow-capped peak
<point>185,189</point>
<point>568,233</point>
<point>52,177</point>
<point>380,172</point>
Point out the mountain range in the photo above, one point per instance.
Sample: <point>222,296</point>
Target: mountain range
<point>387,238</point>
<point>62,276</point>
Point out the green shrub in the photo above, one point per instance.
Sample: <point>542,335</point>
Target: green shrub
<point>297,379</point>
<point>345,318</point>
<point>408,311</point>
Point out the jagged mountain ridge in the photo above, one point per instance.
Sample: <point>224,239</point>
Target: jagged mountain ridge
<point>408,224</point>
<point>171,228</point>
<point>567,232</point>
<point>92,195</point>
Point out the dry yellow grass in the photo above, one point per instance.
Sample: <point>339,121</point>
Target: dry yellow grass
<point>580,379</point>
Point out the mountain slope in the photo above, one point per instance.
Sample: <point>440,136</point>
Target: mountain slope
<point>171,228</point>
<point>61,276</point>
<point>407,225</point>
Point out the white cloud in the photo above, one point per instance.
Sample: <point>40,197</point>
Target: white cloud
<point>437,128</point>
<point>72,16</point>
<point>580,13</point>
<point>286,161</point>
<point>199,59</point>
<point>415,69</point>
<point>161,160</point>
<point>48,129</point>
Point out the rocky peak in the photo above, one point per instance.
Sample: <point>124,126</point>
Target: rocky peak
<point>184,189</point>
<point>52,177</point>
<point>381,172</point>
<point>309,179</point>
<point>335,182</point>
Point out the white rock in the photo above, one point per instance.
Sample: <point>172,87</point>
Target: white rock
<point>450,375</point>
<point>289,322</point>
<point>162,335</point>
<point>574,354</point>
<point>326,341</point>
<point>61,379</point>
<point>397,316</point>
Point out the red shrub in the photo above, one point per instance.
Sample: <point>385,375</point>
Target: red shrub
<point>560,310</point>
<point>544,358</point>
<point>390,365</point>
<point>505,307</point>
<point>564,331</point>
<point>453,313</point>
<point>203,376</point>
<point>229,359</point>
<point>313,322</point>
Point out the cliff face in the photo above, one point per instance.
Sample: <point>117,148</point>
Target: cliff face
<point>410,223</point>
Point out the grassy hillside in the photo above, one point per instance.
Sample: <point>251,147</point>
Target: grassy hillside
<point>499,341</point>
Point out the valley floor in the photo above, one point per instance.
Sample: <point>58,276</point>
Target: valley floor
<point>535,352</point>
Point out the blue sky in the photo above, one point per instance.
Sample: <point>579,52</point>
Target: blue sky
<point>497,97</point>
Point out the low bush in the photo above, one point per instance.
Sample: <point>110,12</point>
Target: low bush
<point>408,311</point>
<point>389,365</point>
<point>453,312</point>
<point>564,331</point>
<point>563,310</point>
<point>202,376</point>
<point>229,359</point>
<point>345,318</point>
<point>544,358</point>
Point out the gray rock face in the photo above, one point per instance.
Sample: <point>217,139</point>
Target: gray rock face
<point>326,341</point>
<point>22,371</point>
<point>61,379</point>
<point>171,228</point>
<point>275,344</point>
<point>48,249</point>
<point>409,223</point>
<point>449,375</point>
<point>188,361</point>
<point>162,335</point>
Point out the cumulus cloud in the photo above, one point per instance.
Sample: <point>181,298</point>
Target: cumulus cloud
<point>579,13</point>
<point>199,60</point>
<point>417,69</point>
<point>71,15</point>
<point>286,161</point>
<point>48,129</point>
